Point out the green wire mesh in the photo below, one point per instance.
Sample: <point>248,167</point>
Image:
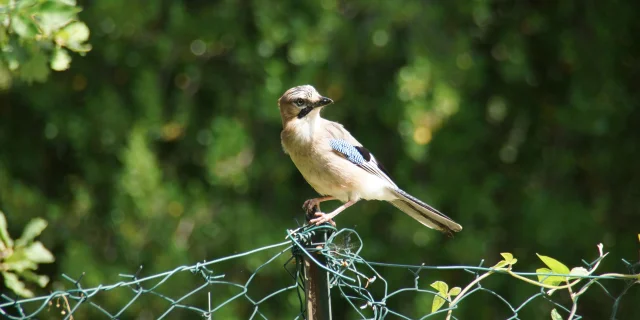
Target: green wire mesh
<point>358,282</point>
<point>354,277</point>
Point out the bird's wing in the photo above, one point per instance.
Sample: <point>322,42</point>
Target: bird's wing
<point>337,131</point>
<point>361,157</point>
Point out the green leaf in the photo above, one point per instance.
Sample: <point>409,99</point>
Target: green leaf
<point>42,281</point>
<point>60,60</point>
<point>31,231</point>
<point>57,6</point>
<point>24,26</point>
<point>73,37</point>
<point>68,2</point>
<point>455,291</point>
<point>544,277</point>
<point>53,15</point>
<point>19,262</point>
<point>555,315</point>
<point>508,258</point>
<point>37,253</point>
<point>555,265</point>
<point>4,233</point>
<point>441,286</point>
<point>438,300</point>
<point>12,282</point>
<point>26,3</point>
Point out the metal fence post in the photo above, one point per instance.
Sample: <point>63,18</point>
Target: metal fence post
<point>317,293</point>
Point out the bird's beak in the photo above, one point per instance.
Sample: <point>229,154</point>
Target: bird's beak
<point>323,102</point>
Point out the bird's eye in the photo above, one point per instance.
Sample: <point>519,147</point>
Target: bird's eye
<point>299,102</point>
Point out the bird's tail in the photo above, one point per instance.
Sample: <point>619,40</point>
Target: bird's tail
<point>424,213</point>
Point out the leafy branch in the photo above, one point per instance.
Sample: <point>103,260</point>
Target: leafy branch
<point>19,258</point>
<point>34,33</point>
<point>555,276</point>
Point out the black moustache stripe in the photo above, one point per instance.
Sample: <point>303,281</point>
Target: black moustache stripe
<point>304,112</point>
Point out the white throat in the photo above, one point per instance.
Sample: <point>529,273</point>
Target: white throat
<point>304,129</point>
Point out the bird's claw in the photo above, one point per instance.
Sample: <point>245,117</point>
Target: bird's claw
<point>310,206</point>
<point>321,218</point>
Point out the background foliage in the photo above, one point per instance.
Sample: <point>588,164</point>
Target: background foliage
<point>161,146</point>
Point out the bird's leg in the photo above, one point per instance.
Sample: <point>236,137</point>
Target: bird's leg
<point>309,205</point>
<point>324,217</point>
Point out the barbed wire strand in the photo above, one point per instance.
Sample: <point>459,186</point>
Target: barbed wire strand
<point>351,274</point>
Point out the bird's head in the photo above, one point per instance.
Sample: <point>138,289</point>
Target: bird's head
<point>301,102</point>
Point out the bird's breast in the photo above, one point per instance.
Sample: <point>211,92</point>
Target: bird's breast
<point>311,161</point>
<point>332,175</point>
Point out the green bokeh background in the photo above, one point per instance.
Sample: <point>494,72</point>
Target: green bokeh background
<point>160,147</point>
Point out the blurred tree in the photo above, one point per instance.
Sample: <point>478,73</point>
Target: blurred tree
<point>161,146</point>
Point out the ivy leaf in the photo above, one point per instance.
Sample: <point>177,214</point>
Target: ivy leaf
<point>31,231</point>
<point>60,60</point>
<point>545,277</point>
<point>555,265</point>
<point>508,258</point>
<point>555,315</point>
<point>455,291</point>
<point>12,282</point>
<point>438,300</point>
<point>441,286</point>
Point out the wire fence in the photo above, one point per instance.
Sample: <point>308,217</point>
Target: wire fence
<point>360,283</point>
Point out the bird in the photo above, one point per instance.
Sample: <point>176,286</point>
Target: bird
<point>338,167</point>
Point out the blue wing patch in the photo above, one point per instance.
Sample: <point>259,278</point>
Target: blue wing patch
<point>361,157</point>
<point>349,151</point>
